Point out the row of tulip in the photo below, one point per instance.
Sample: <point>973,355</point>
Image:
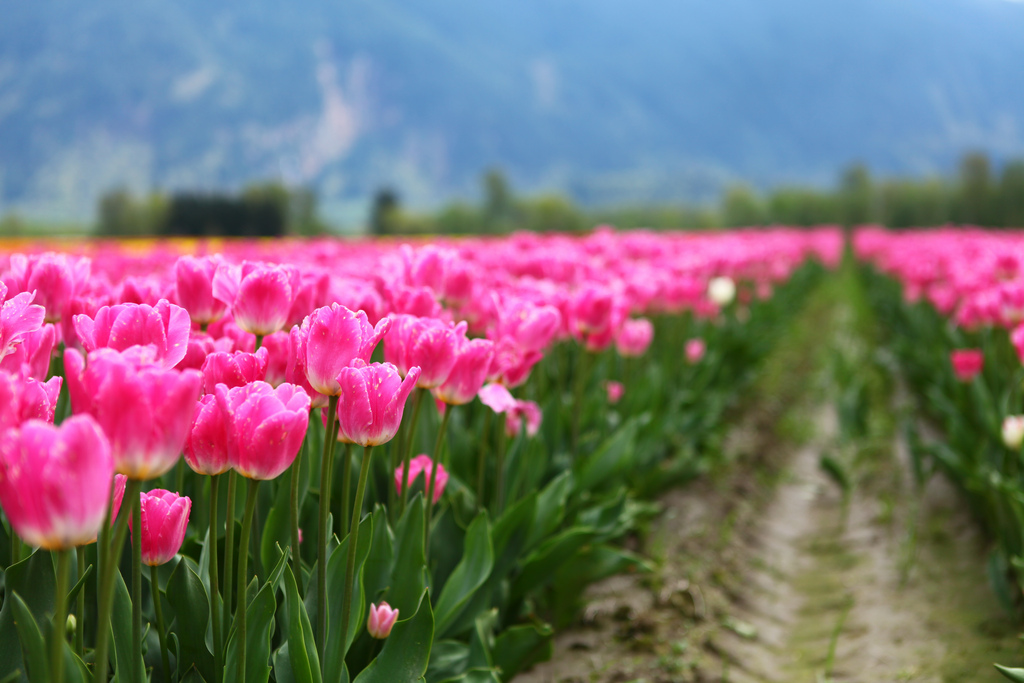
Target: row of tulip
<point>436,551</point>
<point>952,301</point>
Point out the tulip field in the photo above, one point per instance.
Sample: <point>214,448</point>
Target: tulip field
<point>323,461</point>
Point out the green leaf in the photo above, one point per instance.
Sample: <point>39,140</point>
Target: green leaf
<point>408,578</point>
<point>190,606</point>
<point>475,676</point>
<point>550,508</point>
<point>520,647</point>
<point>380,561</point>
<point>193,676</point>
<point>77,588</point>
<point>276,534</point>
<point>540,567</point>
<point>334,656</point>
<point>1013,674</point>
<point>259,624</point>
<point>469,574</point>
<point>33,646</point>
<point>510,534</point>
<point>121,625</point>
<point>283,664</point>
<point>406,651</point>
<point>448,659</point>
<point>34,579</point>
<point>612,458</point>
<point>305,665</point>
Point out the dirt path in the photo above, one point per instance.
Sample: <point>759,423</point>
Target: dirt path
<point>770,572</point>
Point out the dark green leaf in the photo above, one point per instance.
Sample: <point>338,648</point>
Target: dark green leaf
<point>121,625</point>
<point>550,508</point>
<point>611,459</point>
<point>408,579</point>
<point>334,656</point>
<point>305,665</point>
<point>1013,674</point>
<point>33,646</point>
<point>520,647</point>
<point>34,580</point>
<point>469,575</point>
<point>259,625</point>
<point>190,606</point>
<point>381,559</point>
<point>406,651</point>
<point>448,658</point>
<point>540,567</point>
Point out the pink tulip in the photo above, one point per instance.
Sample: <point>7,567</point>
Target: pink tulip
<point>695,350</point>
<point>234,369</point>
<point>527,410</point>
<point>381,620</point>
<point>634,337</point>
<point>372,401</point>
<point>468,374</point>
<point>194,278</point>
<point>165,326</point>
<point>120,484</point>
<point>423,464</point>
<point>497,397</point>
<point>23,399</point>
<point>532,327</point>
<point>19,317</point>
<point>265,427</point>
<point>615,391</point>
<point>279,355</point>
<point>967,363</point>
<point>32,356</point>
<point>511,364</point>
<point>206,449</point>
<point>53,277</point>
<point>55,481</point>
<point>164,517</point>
<point>332,338</point>
<point>144,409</point>
<point>426,343</point>
<point>260,294</point>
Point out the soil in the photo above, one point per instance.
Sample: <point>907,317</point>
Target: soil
<point>779,569</point>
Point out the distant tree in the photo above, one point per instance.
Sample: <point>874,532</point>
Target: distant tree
<point>499,202</point>
<point>11,225</point>
<point>384,214</point>
<point>741,207</point>
<point>800,206</point>
<point>120,214</point>
<point>856,196</point>
<point>552,213</point>
<point>459,218</point>
<point>976,189</point>
<point>1011,195</point>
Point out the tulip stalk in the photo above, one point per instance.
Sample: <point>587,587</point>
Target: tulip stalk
<point>409,445</point>
<point>111,559</point>
<point>80,609</point>
<point>243,575</point>
<point>346,483</point>
<point>60,617</point>
<point>353,542</point>
<point>481,462</point>
<point>324,532</point>
<point>499,482</point>
<point>215,599</point>
<point>136,503</point>
<point>154,585</point>
<point>229,547</point>
<point>294,505</point>
<point>438,462</point>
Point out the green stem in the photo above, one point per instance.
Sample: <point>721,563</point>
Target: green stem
<point>112,558</point>
<point>353,543</point>
<point>179,477</point>
<point>346,484</point>
<point>259,342</point>
<point>215,599</point>
<point>80,609</point>
<point>136,503</point>
<point>323,533</point>
<point>154,585</point>
<point>481,462</point>
<point>582,370</point>
<point>499,484</point>
<point>438,445</point>
<point>243,575</point>
<point>15,547</point>
<point>409,444</point>
<point>296,556</point>
<point>229,548</point>
<point>60,617</point>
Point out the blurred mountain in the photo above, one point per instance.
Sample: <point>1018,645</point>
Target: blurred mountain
<point>609,100</point>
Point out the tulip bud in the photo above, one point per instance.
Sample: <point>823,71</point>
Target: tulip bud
<point>695,350</point>
<point>381,620</point>
<point>615,391</point>
<point>722,291</point>
<point>164,520</point>
<point>967,363</point>
<point>1013,431</point>
<point>70,626</point>
<point>423,464</point>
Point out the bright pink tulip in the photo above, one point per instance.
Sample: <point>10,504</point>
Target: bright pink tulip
<point>120,483</point>
<point>332,338</point>
<point>967,363</point>
<point>372,401</point>
<point>511,364</point>
<point>53,277</point>
<point>532,327</point>
<point>265,425</point>
<point>423,464</point>
<point>234,369</point>
<point>164,517</point>
<point>165,326</point>
<point>695,350</point>
<point>19,317</point>
<point>426,343</point>
<point>206,449</point>
<point>260,294</point>
<point>32,356</point>
<point>514,418</point>
<point>194,278</point>
<point>468,374</point>
<point>634,337</point>
<point>615,391</point>
<point>279,355</point>
<point>55,481</point>
<point>381,620</point>
<point>145,409</point>
<point>23,399</point>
